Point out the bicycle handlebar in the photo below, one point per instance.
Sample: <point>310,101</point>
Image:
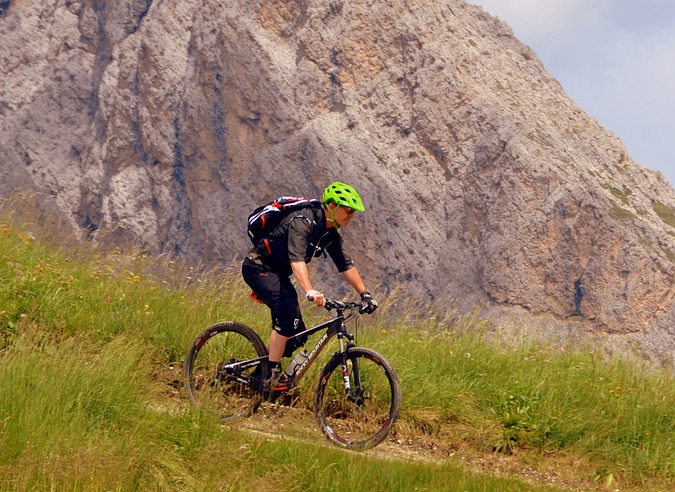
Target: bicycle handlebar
<point>331,304</point>
<point>341,305</point>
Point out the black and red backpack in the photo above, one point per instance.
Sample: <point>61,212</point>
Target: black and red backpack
<point>266,217</point>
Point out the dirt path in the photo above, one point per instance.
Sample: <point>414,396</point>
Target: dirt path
<point>279,421</point>
<point>274,421</point>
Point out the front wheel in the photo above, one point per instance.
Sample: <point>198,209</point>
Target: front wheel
<point>358,399</point>
<point>223,370</point>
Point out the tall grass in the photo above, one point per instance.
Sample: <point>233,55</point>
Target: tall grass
<point>615,415</point>
<point>91,348</point>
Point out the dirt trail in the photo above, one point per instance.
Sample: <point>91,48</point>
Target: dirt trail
<point>275,421</point>
<point>290,421</point>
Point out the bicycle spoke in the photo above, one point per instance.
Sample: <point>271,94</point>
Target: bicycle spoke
<point>361,416</point>
<point>218,376</point>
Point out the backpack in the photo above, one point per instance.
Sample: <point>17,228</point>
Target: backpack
<point>266,217</point>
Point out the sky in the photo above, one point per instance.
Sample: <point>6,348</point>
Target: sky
<point>614,58</point>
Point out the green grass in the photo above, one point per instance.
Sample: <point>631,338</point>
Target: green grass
<point>91,351</point>
<point>665,213</point>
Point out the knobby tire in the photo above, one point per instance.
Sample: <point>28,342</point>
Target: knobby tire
<point>213,379</point>
<point>362,417</point>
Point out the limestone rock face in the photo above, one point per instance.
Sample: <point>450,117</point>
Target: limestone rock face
<point>169,121</point>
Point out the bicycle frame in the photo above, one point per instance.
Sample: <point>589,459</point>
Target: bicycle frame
<point>334,327</point>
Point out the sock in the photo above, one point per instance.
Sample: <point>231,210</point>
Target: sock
<point>275,367</point>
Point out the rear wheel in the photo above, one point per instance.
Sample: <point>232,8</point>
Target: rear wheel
<point>361,416</point>
<point>223,370</point>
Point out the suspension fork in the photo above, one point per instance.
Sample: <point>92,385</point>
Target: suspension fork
<point>344,346</point>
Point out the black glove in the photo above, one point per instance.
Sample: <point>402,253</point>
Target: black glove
<point>371,304</point>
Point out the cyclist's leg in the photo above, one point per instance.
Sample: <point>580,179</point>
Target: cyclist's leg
<point>286,318</point>
<point>278,293</point>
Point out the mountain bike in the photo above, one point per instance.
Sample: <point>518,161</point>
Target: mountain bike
<point>357,399</point>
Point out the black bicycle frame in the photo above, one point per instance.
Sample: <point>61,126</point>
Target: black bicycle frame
<point>335,326</point>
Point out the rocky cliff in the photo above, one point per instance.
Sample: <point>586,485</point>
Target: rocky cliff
<point>168,121</point>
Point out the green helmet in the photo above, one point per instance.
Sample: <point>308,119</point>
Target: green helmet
<point>343,194</point>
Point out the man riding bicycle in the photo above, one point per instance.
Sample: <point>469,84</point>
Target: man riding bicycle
<point>299,237</point>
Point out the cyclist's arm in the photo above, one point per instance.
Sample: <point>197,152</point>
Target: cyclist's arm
<point>301,274</point>
<point>354,279</point>
<point>345,265</point>
<point>338,254</point>
<point>299,232</point>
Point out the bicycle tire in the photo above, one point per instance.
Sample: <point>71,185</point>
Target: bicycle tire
<point>362,417</point>
<point>213,382</point>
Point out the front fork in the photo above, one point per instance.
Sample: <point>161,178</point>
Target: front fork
<point>346,363</point>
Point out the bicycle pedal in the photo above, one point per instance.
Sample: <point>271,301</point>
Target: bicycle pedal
<point>284,384</point>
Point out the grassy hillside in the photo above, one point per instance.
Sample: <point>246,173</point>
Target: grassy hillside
<point>91,350</point>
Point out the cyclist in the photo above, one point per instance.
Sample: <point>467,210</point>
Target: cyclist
<point>302,235</point>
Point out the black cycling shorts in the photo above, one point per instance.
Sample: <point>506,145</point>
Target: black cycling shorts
<point>278,293</point>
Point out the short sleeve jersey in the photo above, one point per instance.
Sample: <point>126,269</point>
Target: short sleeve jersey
<point>304,235</point>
